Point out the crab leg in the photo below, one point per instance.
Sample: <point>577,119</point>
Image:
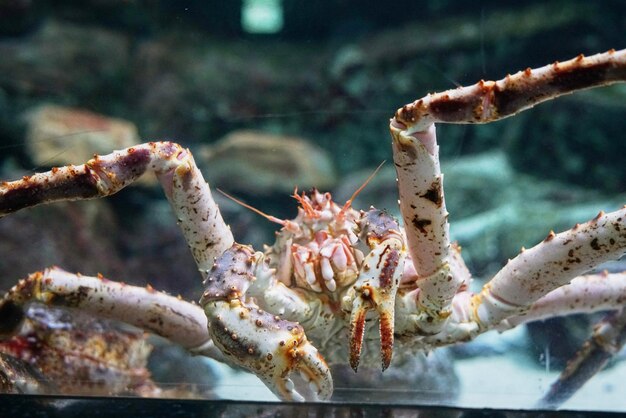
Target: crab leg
<point>420,184</point>
<point>416,158</point>
<point>270,347</point>
<point>549,265</point>
<point>190,196</point>
<point>377,284</point>
<point>608,339</point>
<point>488,101</point>
<point>170,317</point>
<point>584,294</point>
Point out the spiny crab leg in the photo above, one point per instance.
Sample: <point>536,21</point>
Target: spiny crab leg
<point>179,321</point>
<point>423,208</point>
<point>270,347</point>
<point>377,284</point>
<point>548,265</point>
<point>190,196</point>
<point>584,294</point>
<point>420,182</point>
<point>488,101</point>
<point>607,340</point>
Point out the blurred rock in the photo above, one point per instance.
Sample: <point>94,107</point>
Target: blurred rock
<point>64,59</point>
<point>262,164</point>
<point>58,136</point>
<point>589,152</point>
<point>77,236</point>
<point>181,374</point>
<point>19,16</point>
<point>458,32</point>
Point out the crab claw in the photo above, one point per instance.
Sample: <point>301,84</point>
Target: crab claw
<point>270,347</point>
<point>360,306</point>
<point>377,284</point>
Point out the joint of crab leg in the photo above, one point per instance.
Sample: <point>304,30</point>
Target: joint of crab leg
<point>377,284</point>
<point>422,203</point>
<point>552,263</point>
<point>440,271</point>
<point>487,101</point>
<point>190,196</point>
<point>266,345</point>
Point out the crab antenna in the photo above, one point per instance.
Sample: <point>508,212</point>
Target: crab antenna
<point>348,203</point>
<point>255,210</point>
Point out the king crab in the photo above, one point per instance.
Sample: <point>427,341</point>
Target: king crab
<point>335,272</point>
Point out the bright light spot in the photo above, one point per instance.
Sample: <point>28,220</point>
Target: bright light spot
<point>262,16</point>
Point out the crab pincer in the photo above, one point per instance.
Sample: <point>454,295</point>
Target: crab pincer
<point>378,283</point>
<point>266,345</point>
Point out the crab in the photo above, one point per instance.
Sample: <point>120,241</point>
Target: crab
<point>365,287</point>
<point>75,354</point>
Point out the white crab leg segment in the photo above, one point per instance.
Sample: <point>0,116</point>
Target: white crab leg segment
<point>377,284</point>
<point>265,344</point>
<point>420,184</point>
<point>205,231</point>
<point>585,294</point>
<point>549,265</point>
<point>180,322</point>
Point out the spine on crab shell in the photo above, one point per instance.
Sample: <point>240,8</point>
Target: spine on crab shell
<point>487,101</point>
<point>550,264</point>
<point>170,317</point>
<point>190,196</point>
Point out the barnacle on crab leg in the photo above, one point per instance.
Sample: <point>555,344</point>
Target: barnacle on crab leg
<point>190,196</point>
<point>263,343</point>
<point>168,316</point>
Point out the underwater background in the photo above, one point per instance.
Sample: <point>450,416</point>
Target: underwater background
<point>272,94</point>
